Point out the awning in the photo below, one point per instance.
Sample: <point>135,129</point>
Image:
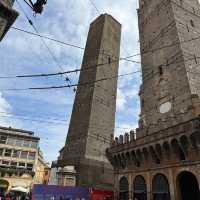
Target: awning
<point>3,185</point>
<point>20,189</point>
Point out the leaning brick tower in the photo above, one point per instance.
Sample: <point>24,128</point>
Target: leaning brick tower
<point>93,116</point>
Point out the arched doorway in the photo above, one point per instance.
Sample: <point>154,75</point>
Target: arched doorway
<point>139,188</point>
<point>123,189</point>
<point>188,186</point>
<point>160,188</point>
<point>3,186</point>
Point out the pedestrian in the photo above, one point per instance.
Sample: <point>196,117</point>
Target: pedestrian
<point>7,197</point>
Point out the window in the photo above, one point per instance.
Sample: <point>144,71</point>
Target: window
<point>34,145</point>
<point>16,154</point>
<point>31,156</point>
<point>26,143</point>
<point>1,151</point>
<point>160,70</point>
<point>11,141</point>
<point>192,23</point>
<point>30,167</point>
<point>5,162</point>
<point>8,152</point>
<point>21,165</point>
<point>19,142</point>
<point>3,139</point>
<point>13,164</point>
<point>24,154</point>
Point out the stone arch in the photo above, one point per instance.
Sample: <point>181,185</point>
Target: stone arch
<point>160,187</point>
<point>195,139</point>
<point>128,157</point>
<point>116,163</point>
<point>139,154</point>
<point>124,161</point>
<point>123,188</point>
<point>184,143</point>
<point>145,153</point>
<point>134,158</point>
<point>158,150</point>
<point>139,188</point>
<point>119,160</point>
<point>185,179</point>
<point>154,155</point>
<point>178,150</point>
<point>166,148</point>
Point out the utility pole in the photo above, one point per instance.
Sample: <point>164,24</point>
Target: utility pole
<point>7,16</point>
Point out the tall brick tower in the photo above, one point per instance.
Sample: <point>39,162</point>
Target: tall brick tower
<point>7,16</point>
<point>93,116</point>
<point>170,62</point>
<point>163,160</point>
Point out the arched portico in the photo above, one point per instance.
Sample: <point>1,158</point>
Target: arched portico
<point>160,187</point>
<point>139,188</point>
<point>188,187</point>
<point>123,189</point>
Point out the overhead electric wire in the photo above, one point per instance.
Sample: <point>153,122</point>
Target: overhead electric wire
<point>48,38</point>
<point>89,83</point>
<point>92,66</point>
<point>67,44</point>
<point>94,5</point>
<point>52,120</point>
<point>130,56</point>
<point>43,41</point>
<point>71,85</point>
<point>86,68</point>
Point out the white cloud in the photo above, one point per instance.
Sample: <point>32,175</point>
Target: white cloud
<point>4,105</point>
<point>124,95</point>
<point>121,100</point>
<point>125,128</point>
<point>6,115</point>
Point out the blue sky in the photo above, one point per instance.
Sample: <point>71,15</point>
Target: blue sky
<point>21,53</point>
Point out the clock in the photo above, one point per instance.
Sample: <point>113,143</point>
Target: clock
<point>165,107</point>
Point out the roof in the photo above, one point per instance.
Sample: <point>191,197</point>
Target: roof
<point>18,132</point>
<point>104,15</point>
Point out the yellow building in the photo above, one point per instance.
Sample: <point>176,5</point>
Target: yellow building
<point>19,160</point>
<point>42,170</point>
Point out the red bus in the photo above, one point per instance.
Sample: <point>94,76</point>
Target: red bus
<point>96,194</point>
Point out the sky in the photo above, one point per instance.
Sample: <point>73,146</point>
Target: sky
<point>47,113</point>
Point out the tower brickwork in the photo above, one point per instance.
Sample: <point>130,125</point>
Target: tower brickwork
<point>7,16</point>
<point>162,161</point>
<point>93,116</point>
<point>170,62</point>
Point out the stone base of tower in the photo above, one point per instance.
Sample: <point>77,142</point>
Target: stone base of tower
<point>92,173</point>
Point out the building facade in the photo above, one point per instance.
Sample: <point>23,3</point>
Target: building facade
<point>161,160</point>
<point>18,158</point>
<point>7,16</point>
<point>42,170</point>
<point>89,133</point>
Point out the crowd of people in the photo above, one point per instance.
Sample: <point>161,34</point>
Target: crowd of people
<point>15,196</point>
